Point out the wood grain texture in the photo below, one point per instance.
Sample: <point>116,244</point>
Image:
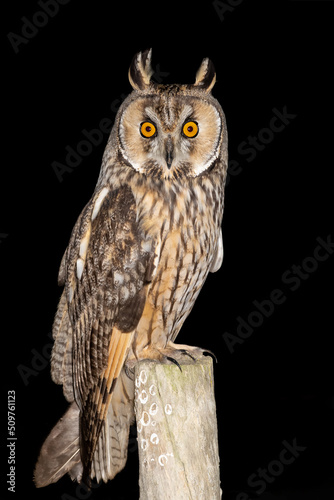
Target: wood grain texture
<point>177,431</point>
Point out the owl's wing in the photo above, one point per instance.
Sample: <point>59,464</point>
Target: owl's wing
<point>107,269</point>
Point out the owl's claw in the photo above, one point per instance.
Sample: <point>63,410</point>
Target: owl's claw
<point>186,353</point>
<point>129,372</point>
<point>210,354</point>
<point>175,362</point>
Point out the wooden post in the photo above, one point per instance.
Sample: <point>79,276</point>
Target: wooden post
<point>177,431</point>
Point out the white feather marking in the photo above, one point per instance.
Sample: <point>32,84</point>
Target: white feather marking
<point>146,245</point>
<point>134,165</point>
<point>84,245</point>
<point>70,293</point>
<point>118,278</point>
<point>201,168</point>
<point>218,256</point>
<point>124,294</point>
<point>99,201</point>
<point>80,267</point>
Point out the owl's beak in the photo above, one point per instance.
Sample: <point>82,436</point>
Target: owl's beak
<point>169,148</point>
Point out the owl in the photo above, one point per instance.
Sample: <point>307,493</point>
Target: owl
<point>137,259</point>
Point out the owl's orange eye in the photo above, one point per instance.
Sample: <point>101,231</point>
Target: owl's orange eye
<point>147,129</point>
<point>190,129</point>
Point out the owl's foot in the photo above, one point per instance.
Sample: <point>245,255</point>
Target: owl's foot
<point>179,351</point>
<point>191,351</point>
<point>172,353</point>
<point>177,354</point>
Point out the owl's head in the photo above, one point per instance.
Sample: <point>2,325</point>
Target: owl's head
<point>171,131</point>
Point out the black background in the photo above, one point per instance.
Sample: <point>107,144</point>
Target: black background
<point>277,384</point>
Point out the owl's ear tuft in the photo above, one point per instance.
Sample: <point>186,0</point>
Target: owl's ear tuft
<point>140,71</point>
<point>206,75</point>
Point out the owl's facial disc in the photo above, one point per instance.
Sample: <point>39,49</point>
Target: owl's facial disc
<point>170,137</point>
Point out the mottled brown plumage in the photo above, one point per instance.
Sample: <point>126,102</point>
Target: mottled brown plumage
<point>137,258</point>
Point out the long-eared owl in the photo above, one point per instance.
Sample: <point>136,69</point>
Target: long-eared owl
<point>137,259</point>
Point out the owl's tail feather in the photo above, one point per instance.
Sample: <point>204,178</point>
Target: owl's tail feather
<point>111,451</point>
<point>60,452</point>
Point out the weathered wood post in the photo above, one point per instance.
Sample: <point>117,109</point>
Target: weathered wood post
<point>177,431</point>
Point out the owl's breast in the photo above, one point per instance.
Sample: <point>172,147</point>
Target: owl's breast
<point>187,244</point>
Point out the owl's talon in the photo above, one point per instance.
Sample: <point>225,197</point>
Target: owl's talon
<point>210,353</point>
<point>187,353</point>
<point>129,372</point>
<point>175,362</point>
